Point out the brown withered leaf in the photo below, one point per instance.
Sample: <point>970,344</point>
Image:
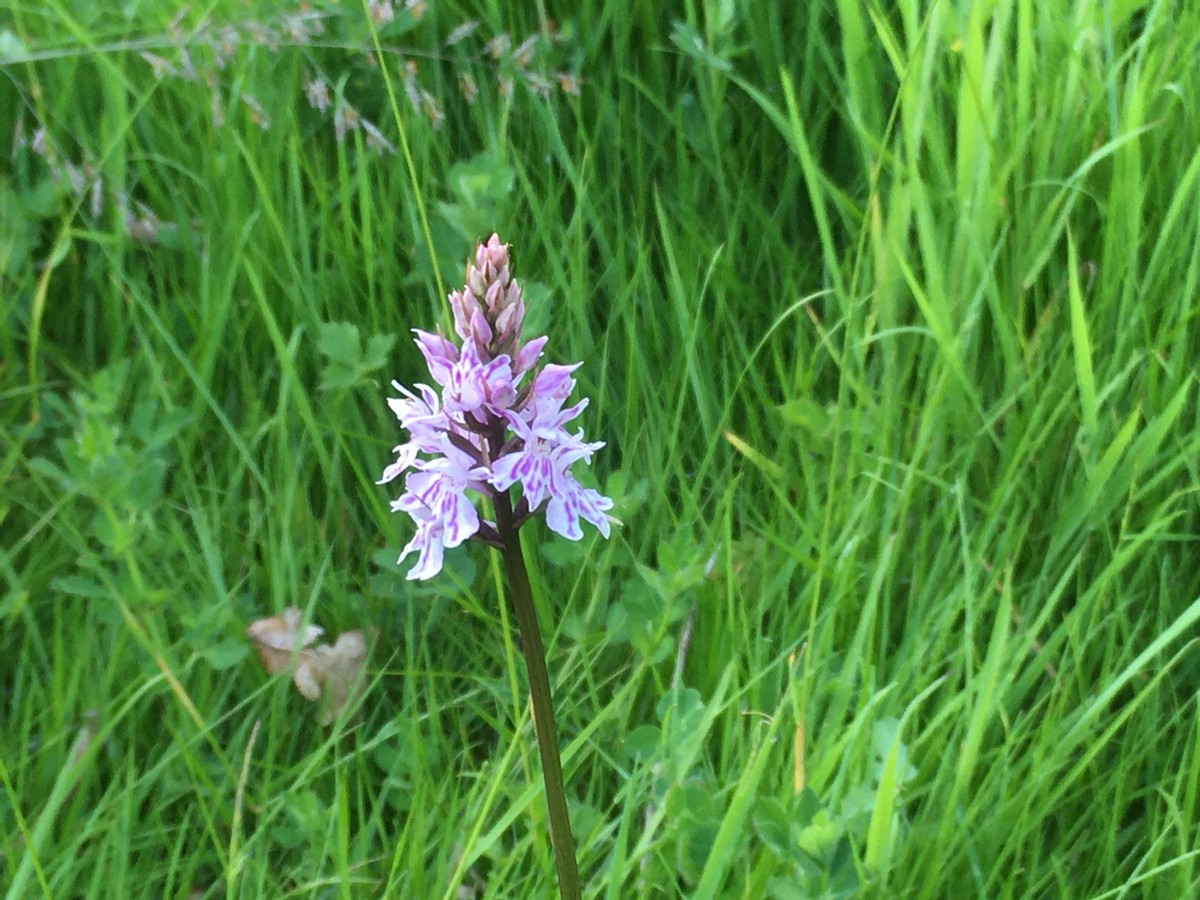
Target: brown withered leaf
<point>329,673</point>
<point>275,638</point>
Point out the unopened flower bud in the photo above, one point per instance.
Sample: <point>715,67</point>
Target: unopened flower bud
<point>491,290</point>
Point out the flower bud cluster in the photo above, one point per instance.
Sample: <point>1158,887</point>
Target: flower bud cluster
<point>482,430</point>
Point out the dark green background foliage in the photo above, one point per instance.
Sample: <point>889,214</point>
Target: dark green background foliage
<point>888,319</point>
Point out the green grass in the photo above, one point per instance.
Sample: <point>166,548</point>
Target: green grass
<point>888,317</point>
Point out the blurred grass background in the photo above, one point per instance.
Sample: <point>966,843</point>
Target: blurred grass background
<point>887,316</point>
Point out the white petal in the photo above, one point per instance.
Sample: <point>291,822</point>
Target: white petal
<point>407,455</point>
<point>561,515</point>
<point>504,471</point>
<point>461,523</point>
<point>429,558</point>
<point>591,507</point>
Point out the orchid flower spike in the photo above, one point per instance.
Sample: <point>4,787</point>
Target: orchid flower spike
<point>479,432</point>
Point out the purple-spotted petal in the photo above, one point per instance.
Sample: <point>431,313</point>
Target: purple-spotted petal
<point>439,353</point>
<point>497,375</point>
<point>477,388</point>
<point>593,506</point>
<point>406,455</point>
<point>506,471</point>
<point>422,416</point>
<point>459,519</point>
<point>569,501</point>
<point>533,471</point>
<point>430,550</point>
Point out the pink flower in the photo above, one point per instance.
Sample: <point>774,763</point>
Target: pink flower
<point>479,432</point>
<point>476,388</point>
<point>541,465</point>
<point>428,543</point>
<point>435,496</point>
<point>569,502</point>
<point>426,424</point>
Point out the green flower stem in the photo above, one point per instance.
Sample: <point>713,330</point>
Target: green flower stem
<point>543,703</point>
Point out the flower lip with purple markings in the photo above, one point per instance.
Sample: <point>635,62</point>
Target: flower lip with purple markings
<point>482,432</point>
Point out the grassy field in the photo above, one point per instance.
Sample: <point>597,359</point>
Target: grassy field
<point>888,318</point>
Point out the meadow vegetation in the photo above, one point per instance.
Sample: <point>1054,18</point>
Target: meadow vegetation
<point>888,315</point>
